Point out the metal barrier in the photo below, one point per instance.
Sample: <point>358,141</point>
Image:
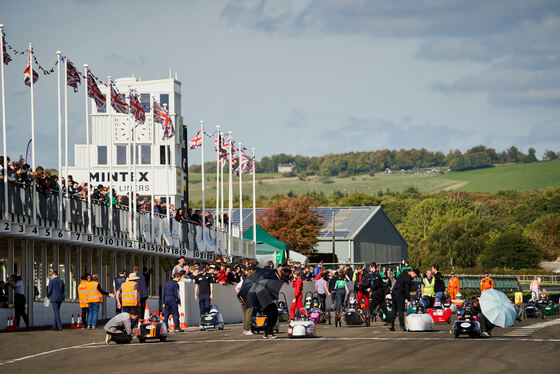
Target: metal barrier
<point>159,231</point>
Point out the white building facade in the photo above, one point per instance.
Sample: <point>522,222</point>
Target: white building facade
<point>135,155</point>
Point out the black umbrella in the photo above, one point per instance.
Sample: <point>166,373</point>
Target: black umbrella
<point>260,288</point>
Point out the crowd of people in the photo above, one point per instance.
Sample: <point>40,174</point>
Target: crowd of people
<point>22,174</point>
<point>369,283</point>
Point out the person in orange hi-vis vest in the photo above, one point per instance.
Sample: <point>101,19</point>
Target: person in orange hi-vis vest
<point>486,283</point>
<point>82,295</point>
<point>453,286</point>
<point>95,297</point>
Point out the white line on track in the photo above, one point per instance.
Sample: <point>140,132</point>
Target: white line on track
<point>431,338</point>
<point>44,353</point>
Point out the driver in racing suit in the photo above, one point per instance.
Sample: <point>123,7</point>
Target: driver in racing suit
<point>378,289</point>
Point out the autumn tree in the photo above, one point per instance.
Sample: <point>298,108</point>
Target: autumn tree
<point>293,221</point>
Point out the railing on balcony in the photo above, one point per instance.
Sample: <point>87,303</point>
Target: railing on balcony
<point>153,233</point>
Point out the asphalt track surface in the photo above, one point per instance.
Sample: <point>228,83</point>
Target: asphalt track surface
<point>532,346</point>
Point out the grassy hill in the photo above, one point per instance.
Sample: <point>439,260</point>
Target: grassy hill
<point>523,177</point>
<point>506,177</point>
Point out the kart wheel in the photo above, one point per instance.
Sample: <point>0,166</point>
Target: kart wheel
<point>456,335</point>
<point>164,339</point>
<point>367,322</point>
<point>329,317</point>
<point>141,340</point>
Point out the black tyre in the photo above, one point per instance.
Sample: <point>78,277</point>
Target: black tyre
<point>163,339</point>
<point>329,318</point>
<point>456,335</point>
<point>367,322</point>
<point>141,340</point>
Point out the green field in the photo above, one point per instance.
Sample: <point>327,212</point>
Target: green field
<point>506,177</point>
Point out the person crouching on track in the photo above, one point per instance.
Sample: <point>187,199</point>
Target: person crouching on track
<point>298,294</point>
<point>172,301</point>
<point>119,328</point>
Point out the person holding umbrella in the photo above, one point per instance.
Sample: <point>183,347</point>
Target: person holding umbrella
<point>260,290</point>
<point>496,309</point>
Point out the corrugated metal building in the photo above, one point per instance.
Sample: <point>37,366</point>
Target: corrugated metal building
<point>361,234</point>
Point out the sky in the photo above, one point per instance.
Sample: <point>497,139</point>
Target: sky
<point>307,77</point>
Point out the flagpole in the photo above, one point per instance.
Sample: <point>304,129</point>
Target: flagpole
<point>222,209</point>
<point>89,187</point>
<point>111,197</point>
<point>152,178</point>
<point>239,167</point>
<point>254,202</point>
<point>218,140</point>
<point>130,160</point>
<point>4,126</point>
<point>230,194</point>
<point>66,140</point>
<point>58,53</point>
<point>168,171</point>
<point>203,197</point>
<point>133,180</point>
<point>32,136</point>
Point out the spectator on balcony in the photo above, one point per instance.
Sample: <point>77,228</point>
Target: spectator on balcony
<point>54,184</point>
<point>96,194</point>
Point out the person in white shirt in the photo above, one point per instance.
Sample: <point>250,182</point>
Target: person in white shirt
<point>534,288</point>
<point>19,300</point>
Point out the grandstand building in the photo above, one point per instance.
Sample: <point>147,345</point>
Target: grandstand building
<point>117,139</point>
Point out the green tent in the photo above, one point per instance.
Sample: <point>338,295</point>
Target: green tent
<point>267,244</point>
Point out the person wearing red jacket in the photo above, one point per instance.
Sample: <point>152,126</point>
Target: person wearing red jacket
<point>222,275</point>
<point>297,301</point>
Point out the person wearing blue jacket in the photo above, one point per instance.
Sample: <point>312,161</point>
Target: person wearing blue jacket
<point>142,287</point>
<point>55,293</point>
<point>172,301</point>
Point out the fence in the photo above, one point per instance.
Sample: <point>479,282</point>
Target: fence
<point>118,222</point>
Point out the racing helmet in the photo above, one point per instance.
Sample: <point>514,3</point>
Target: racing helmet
<point>458,296</point>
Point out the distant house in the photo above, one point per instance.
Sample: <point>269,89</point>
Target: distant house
<point>287,168</point>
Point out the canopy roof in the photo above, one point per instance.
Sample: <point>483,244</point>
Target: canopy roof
<point>264,237</point>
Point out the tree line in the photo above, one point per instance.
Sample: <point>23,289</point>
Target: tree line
<point>355,163</point>
<point>508,230</point>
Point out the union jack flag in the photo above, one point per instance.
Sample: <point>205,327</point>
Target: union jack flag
<point>7,57</point>
<point>161,115</point>
<point>72,76</point>
<point>94,92</point>
<point>27,74</point>
<point>118,101</point>
<point>196,142</point>
<point>244,159</point>
<point>252,170</point>
<point>136,108</point>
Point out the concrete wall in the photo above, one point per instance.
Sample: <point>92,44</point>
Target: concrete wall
<point>224,297</point>
<point>44,316</point>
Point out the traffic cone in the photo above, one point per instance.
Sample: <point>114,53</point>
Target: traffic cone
<point>11,325</point>
<point>161,317</point>
<point>138,332</point>
<point>73,323</point>
<point>146,313</point>
<point>80,325</point>
<point>171,324</point>
<point>182,323</point>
